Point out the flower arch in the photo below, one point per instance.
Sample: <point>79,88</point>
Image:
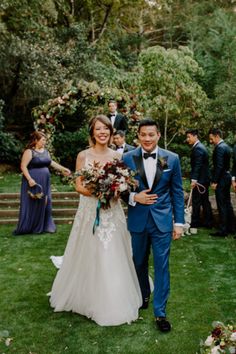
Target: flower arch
<point>86,97</point>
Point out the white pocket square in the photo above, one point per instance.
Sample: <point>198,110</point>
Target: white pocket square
<point>169,169</point>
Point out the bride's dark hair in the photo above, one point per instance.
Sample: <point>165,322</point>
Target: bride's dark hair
<point>103,119</point>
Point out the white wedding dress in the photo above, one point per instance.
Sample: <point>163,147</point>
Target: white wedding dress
<point>97,277</point>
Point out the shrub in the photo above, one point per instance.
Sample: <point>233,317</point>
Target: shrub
<point>68,144</point>
<point>11,147</point>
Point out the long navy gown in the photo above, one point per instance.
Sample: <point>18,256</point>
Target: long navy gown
<point>35,215</point>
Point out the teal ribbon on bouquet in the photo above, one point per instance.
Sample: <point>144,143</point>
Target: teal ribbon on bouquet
<point>97,219</point>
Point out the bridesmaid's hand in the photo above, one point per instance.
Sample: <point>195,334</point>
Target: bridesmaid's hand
<point>31,182</point>
<point>66,172</point>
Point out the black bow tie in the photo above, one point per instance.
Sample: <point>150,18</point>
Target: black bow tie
<point>120,147</point>
<point>146,155</point>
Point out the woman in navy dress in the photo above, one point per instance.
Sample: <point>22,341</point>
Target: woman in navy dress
<point>36,210</point>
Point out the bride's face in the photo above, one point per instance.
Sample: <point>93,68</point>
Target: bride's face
<point>101,133</point>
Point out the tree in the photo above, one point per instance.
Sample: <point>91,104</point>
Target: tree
<point>169,90</point>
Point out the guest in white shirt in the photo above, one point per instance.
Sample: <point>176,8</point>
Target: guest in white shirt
<point>118,121</point>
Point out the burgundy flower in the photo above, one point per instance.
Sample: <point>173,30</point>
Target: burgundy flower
<point>216,332</point>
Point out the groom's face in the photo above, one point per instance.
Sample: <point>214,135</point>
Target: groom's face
<point>149,137</point>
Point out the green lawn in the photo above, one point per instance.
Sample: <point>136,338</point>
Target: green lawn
<point>203,289</point>
<point>10,182</point>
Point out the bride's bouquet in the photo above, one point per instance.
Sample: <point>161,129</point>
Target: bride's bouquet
<point>108,181</point>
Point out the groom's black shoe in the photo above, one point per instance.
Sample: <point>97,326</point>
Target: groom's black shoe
<point>145,303</point>
<point>162,324</point>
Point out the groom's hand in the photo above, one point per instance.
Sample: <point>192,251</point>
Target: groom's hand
<point>145,198</point>
<point>177,233</point>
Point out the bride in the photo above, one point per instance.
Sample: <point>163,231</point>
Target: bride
<point>97,277</point>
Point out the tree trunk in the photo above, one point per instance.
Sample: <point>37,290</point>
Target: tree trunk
<point>165,130</point>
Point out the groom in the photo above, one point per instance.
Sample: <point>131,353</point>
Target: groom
<point>157,202</point>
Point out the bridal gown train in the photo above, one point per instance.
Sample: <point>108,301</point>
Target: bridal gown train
<point>97,277</point>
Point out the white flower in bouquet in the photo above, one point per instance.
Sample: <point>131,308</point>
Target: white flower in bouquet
<point>209,341</point>
<point>216,350</point>
<point>123,172</point>
<point>233,337</point>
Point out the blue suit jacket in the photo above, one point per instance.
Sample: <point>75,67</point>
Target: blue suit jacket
<point>167,185</point>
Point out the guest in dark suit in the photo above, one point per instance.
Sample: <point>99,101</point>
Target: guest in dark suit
<point>119,141</point>
<point>157,203</point>
<point>221,182</point>
<point>200,173</point>
<point>233,173</point>
<point>118,121</point>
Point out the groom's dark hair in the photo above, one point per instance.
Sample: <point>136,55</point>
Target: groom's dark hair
<point>148,122</point>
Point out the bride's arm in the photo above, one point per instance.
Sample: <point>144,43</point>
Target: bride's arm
<point>80,161</point>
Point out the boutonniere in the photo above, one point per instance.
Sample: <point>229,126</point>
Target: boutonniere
<point>162,161</point>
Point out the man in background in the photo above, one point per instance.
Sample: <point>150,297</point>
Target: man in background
<point>118,121</point>
<point>200,173</point>
<point>221,183</point>
<point>120,143</point>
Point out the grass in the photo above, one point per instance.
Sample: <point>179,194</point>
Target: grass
<point>203,289</point>
<point>10,182</point>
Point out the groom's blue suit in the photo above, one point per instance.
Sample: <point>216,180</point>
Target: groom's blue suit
<point>153,224</point>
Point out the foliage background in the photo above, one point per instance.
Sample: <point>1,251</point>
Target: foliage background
<point>172,60</point>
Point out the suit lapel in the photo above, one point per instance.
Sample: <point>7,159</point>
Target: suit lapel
<point>116,122</point>
<point>138,160</point>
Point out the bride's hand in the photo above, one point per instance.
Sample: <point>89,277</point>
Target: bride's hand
<point>79,187</point>
<point>116,194</point>
<point>82,190</point>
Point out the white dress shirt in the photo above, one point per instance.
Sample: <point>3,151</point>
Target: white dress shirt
<point>113,117</point>
<point>120,149</point>
<point>150,166</point>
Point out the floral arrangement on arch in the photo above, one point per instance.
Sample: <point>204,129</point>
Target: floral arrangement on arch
<point>222,340</point>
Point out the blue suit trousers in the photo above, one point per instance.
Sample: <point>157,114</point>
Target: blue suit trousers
<point>160,242</point>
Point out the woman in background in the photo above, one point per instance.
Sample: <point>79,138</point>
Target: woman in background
<point>35,205</point>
